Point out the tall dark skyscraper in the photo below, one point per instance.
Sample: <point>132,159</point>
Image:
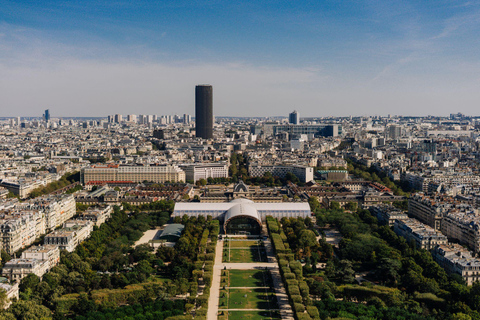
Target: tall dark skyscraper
<point>204,111</point>
<point>46,115</point>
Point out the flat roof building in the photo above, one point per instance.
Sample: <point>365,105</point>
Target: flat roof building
<point>156,173</point>
<point>197,171</point>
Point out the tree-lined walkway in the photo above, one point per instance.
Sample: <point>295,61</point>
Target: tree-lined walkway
<point>213,300</point>
<point>286,311</point>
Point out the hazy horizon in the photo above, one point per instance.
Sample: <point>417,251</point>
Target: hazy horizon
<point>97,58</point>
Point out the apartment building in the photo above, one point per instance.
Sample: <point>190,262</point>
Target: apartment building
<point>97,215</point>
<point>423,236</point>
<point>20,229</point>
<point>108,173</point>
<point>428,210</point>
<point>17,269</point>
<point>464,227</point>
<point>426,181</point>
<point>22,188</point>
<point>70,236</point>
<point>387,214</point>
<point>303,173</point>
<point>83,228</point>
<point>22,223</point>
<point>57,209</point>
<point>49,253</point>
<point>3,193</point>
<point>456,259</point>
<point>199,171</point>
<point>332,162</point>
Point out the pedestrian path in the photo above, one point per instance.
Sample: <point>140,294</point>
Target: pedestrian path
<point>213,300</point>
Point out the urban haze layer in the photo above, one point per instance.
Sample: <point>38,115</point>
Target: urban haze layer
<point>181,217</point>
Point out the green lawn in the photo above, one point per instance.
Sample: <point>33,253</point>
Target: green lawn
<point>249,278</point>
<point>250,315</point>
<point>251,299</point>
<point>243,243</point>
<point>245,255</point>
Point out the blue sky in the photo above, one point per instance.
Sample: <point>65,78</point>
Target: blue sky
<point>322,58</point>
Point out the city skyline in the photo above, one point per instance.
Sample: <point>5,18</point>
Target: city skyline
<point>372,58</point>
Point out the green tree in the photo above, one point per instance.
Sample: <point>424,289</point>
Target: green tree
<point>388,270</point>
<point>5,257</point>
<point>330,269</point>
<point>29,282</point>
<point>143,252</point>
<point>307,239</point>
<point>3,298</point>
<point>334,205</point>
<point>29,310</point>
<point>351,206</point>
<point>345,271</point>
<point>314,204</point>
<point>292,178</point>
<point>460,316</point>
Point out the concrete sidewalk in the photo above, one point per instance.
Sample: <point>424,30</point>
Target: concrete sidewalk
<point>213,300</point>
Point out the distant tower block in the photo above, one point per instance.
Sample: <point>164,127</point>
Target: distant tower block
<point>204,111</point>
<point>46,115</point>
<point>294,117</point>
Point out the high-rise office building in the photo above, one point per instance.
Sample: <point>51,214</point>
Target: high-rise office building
<point>118,118</point>
<point>294,117</point>
<point>204,111</point>
<point>395,131</point>
<point>149,119</point>
<point>46,115</point>
<point>132,118</point>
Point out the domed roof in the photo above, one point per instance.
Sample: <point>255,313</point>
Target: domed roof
<point>242,209</point>
<point>241,200</point>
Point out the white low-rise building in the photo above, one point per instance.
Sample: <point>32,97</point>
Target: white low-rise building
<point>17,269</point>
<point>49,253</point>
<point>97,215</point>
<point>197,171</point>
<point>68,238</point>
